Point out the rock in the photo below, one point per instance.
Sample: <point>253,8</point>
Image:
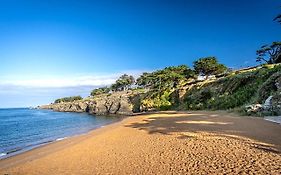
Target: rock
<point>254,108</point>
<point>268,104</point>
<point>120,103</point>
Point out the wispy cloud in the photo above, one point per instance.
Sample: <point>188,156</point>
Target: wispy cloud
<point>24,91</point>
<point>64,82</point>
<point>61,82</point>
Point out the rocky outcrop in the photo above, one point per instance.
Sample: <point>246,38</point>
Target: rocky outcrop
<point>119,103</point>
<point>254,91</point>
<point>77,106</point>
<point>272,104</point>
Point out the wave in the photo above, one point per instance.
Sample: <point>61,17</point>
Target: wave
<point>3,154</point>
<point>62,138</point>
<point>18,150</point>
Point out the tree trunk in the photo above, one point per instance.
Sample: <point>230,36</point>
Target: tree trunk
<point>277,58</point>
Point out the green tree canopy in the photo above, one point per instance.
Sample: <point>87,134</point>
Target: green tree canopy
<point>68,99</point>
<point>168,77</point>
<point>270,53</point>
<point>208,66</point>
<point>123,83</point>
<point>99,91</point>
<point>145,80</point>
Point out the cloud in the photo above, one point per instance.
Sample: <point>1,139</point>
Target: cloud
<point>64,82</point>
<point>23,91</point>
<point>61,82</point>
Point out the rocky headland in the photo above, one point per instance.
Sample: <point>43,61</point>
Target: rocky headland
<point>117,103</point>
<point>251,91</point>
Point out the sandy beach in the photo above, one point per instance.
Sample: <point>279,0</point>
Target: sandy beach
<point>161,143</point>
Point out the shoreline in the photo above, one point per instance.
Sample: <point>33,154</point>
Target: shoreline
<point>22,150</point>
<point>127,141</point>
<point>55,145</point>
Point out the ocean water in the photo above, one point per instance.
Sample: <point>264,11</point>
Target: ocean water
<point>22,129</point>
<point>275,119</point>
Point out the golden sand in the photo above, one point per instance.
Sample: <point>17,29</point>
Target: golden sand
<point>161,143</point>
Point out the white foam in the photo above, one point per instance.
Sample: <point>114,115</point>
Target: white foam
<point>275,119</point>
<point>61,138</point>
<point>3,154</point>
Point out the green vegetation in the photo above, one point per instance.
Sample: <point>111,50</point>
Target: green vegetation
<point>167,78</point>
<point>209,66</point>
<point>270,54</point>
<point>68,99</point>
<point>177,87</point>
<point>161,84</point>
<point>99,91</point>
<point>233,91</point>
<point>123,83</point>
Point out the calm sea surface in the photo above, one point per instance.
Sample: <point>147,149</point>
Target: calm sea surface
<point>23,129</point>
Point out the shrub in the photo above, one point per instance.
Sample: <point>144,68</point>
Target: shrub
<point>68,99</point>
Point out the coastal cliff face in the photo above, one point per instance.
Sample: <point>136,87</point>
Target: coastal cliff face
<point>254,91</point>
<point>117,103</point>
<point>251,91</point>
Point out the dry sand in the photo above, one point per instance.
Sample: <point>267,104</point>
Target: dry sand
<point>161,143</point>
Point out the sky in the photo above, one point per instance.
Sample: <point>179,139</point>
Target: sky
<point>51,49</point>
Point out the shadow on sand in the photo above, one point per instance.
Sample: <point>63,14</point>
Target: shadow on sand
<point>258,133</point>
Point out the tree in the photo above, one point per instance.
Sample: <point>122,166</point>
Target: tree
<point>123,83</point>
<point>68,99</point>
<point>168,77</point>
<point>175,74</point>
<point>208,66</point>
<point>145,80</point>
<point>270,54</point>
<point>99,91</point>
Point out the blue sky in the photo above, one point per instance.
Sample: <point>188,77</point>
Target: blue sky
<point>50,49</point>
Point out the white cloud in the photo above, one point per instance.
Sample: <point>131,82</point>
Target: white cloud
<point>64,82</point>
<point>61,82</point>
<point>22,91</point>
<point>16,91</point>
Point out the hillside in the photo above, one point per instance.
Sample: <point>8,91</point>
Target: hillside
<point>244,91</point>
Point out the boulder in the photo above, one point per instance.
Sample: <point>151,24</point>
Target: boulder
<point>254,108</point>
<point>268,104</point>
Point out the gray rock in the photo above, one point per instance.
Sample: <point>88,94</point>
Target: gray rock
<point>268,103</point>
<point>120,103</point>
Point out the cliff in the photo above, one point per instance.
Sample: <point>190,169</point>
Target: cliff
<point>253,91</point>
<point>117,103</point>
<point>242,91</point>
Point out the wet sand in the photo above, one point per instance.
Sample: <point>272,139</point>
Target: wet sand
<point>161,143</point>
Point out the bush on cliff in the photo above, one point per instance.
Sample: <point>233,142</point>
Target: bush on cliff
<point>68,99</point>
<point>99,91</point>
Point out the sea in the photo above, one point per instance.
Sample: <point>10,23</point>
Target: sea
<point>22,129</point>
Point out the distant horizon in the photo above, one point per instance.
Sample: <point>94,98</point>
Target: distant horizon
<point>60,48</point>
